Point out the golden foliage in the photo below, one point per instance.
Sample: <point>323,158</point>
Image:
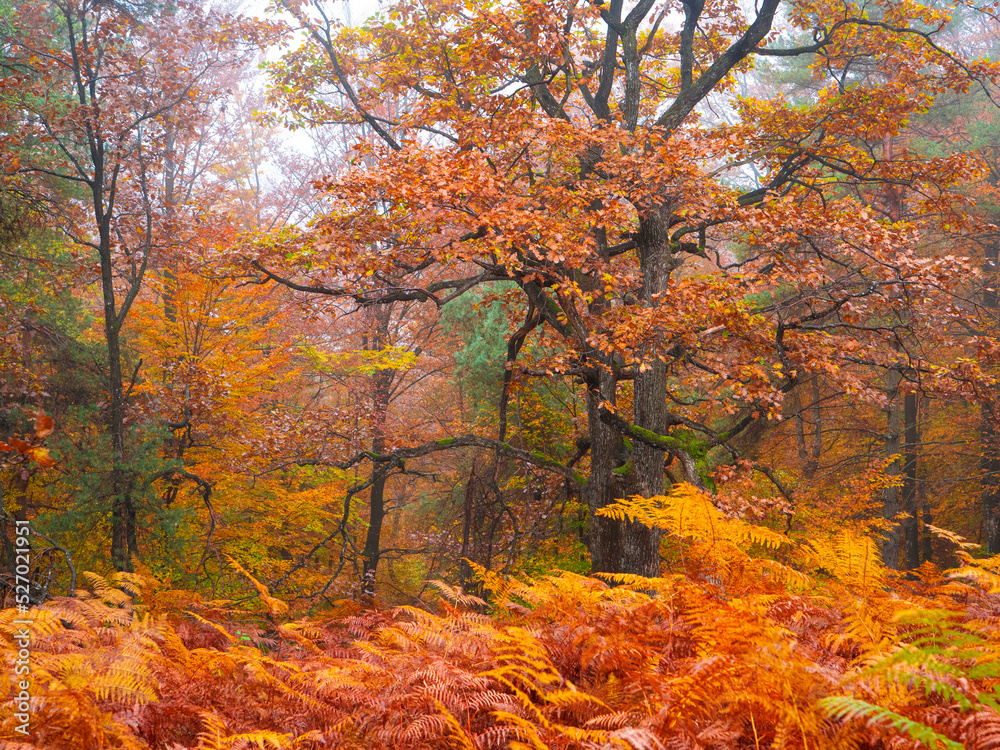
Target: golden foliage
<point>728,654</point>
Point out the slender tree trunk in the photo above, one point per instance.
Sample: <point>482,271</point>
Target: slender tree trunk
<point>894,417</point>
<point>7,536</point>
<point>380,384</point>
<point>642,548</point>
<point>990,411</point>
<point>809,455</point>
<point>604,486</point>
<point>990,467</point>
<point>122,512</point>
<point>19,488</point>
<point>467,503</point>
<point>170,169</point>
<point>376,516</point>
<point>928,541</point>
<point>123,521</point>
<point>800,429</point>
<point>890,546</point>
<point>170,205</point>
<point>817,448</point>
<point>911,525</point>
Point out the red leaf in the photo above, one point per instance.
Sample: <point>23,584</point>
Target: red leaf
<point>20,445</point>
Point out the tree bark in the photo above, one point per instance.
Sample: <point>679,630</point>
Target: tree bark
<point>890,545</point>
<point>380,386</point>
<point>928,541</point>
<point>911,524</point>
<point>102,183</point>
<point>628,547</point>
<point>641,553</point>
<point>642,545</point>
<point>122,512</point>
<point>604,487</point>
<point>990,411</point>
<point>817,449</point>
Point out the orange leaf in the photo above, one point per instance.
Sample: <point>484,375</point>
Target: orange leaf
<point>20,445</point>
<point>44,424</point>
<point>41,456</point>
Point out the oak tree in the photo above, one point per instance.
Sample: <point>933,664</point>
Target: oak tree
<point>571,148</point>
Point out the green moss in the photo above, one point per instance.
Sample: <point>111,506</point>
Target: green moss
<point>444,442</point>
<point>662,441</point>
<point>624,470</point>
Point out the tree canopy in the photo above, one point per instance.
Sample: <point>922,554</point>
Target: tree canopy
<point>499,373</point>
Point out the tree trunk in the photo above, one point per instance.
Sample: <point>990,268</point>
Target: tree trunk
<point>990,412</point>
<point>890,546</point>
<point>991,476</point>
<point>122,512</point>
<point>817,449</point>
<point>809,456</point>
<point>911,524</point>
<point>170,206</point>
<point>627,547</point>
<point>19,488</point>
<point>467,503</point>
<point>380,385</point>
<point>928,542</point>
<point>604,486</point>
<point>642,544</point>
<point>642,548</point>
<point>373,538</point>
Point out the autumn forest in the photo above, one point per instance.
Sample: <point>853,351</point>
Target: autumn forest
<point>500,374</point>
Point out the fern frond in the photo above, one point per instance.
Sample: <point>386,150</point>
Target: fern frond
<point>783,574</point>
<point>44,623</point>
<point>275,606</point>
<point>455,595</point>
<point>951,536</point>
<point>523,728</point>
<point>573,696</point>
<point>131,583</point>
<point>636,738</point>
<point>213,733</point>
<point>981,730</point>
<point>421,728</point>
<point>297,632</point>
<point>852,709</point>
<point>455,729</point>
<point>214,625</point>
<point>495,737</point>
<point>215,736</point>
<point>615,720</point>
<point>489,580</point>
<point>642,585</point>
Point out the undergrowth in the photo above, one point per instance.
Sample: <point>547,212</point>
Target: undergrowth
<point>758,642</point>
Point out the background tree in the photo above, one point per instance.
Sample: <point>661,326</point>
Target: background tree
<point>98,85</point>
